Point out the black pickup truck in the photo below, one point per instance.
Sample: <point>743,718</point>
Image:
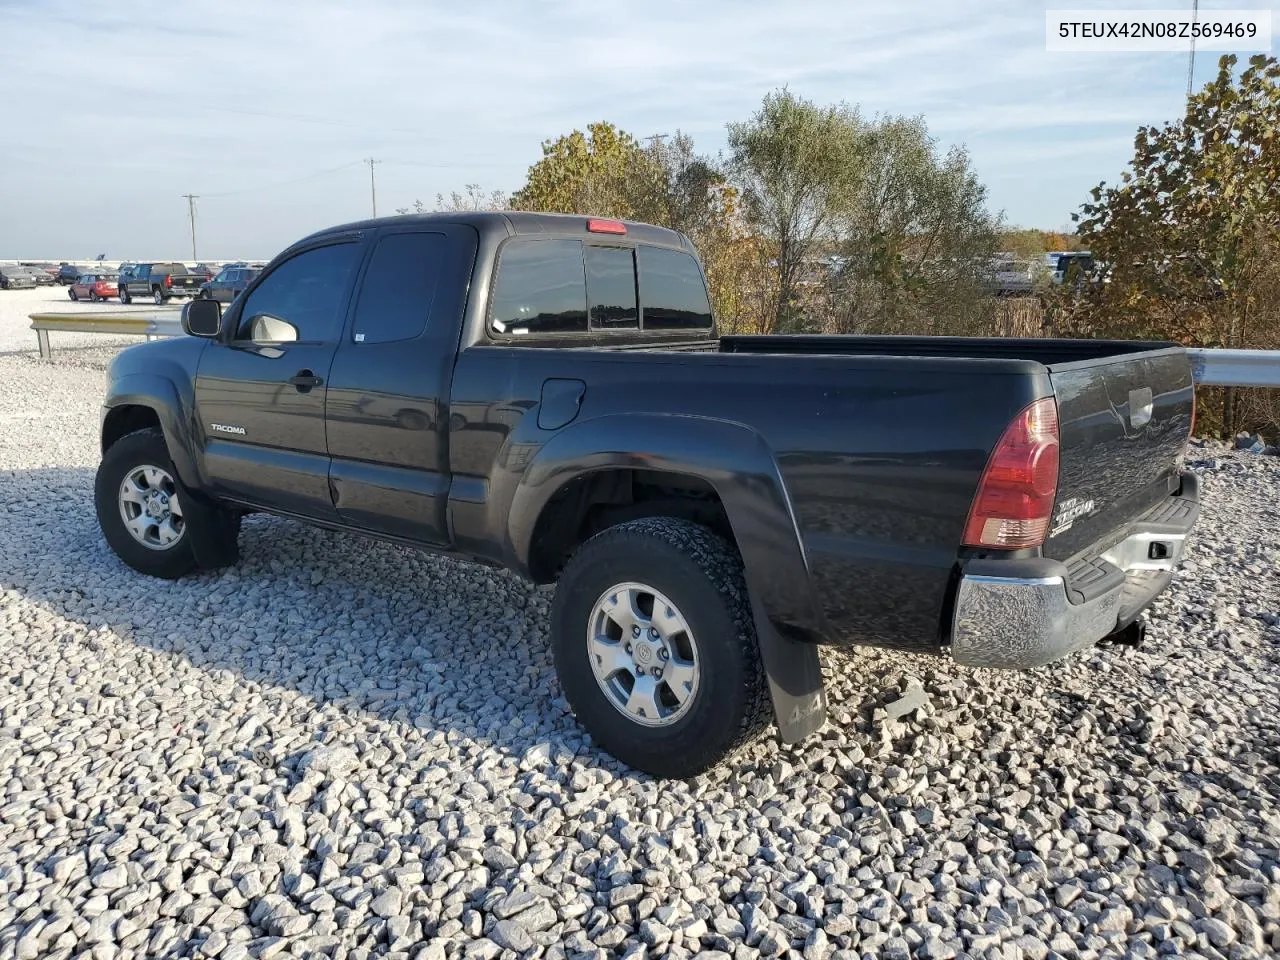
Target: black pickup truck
<point>548,394</point>
<point>159,281</point>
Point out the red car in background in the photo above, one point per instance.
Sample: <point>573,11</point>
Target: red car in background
<point>94,286</point>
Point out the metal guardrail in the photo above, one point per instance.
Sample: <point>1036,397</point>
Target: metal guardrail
<point>142,325</point>
<point>1235,368</point>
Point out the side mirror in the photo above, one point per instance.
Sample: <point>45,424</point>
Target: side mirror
<point>264,328</point>
<point>202,318</point>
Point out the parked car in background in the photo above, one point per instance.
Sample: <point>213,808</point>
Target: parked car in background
<point>68,273</point>
<point>44,266</point>
<point>41,277</point>
<point>229,283</point>
<point>1074,267</point>
<point>204,271</point>
<point>16,278</point>
<point>95,286</point>
<point>1008,276</point>
<point>160,281</point>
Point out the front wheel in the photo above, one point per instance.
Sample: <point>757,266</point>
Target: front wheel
<point>656,649</point>
<point>124,296</point>
<point>139,507</point>
<point>72,294</point>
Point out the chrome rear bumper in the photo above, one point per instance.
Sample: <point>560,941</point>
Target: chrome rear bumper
<point>1021,621</point>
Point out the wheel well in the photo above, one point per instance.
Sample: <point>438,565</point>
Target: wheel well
<point>122,421</point>
<point>589,504</point>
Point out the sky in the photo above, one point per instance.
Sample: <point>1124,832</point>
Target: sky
<point>113,111</point>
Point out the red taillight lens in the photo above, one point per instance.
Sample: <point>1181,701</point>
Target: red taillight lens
<point>1015,498</point>
<point>168,280</point>
<point>606,226</point>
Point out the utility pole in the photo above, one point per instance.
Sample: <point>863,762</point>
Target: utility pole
<point>191,211</point>
<point>373,187</point>
<point>1191,65</point>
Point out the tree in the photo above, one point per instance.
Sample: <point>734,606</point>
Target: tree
<point>1032,243</point>
<point>691,193</point>
<point>797,163</point>
<point>912,239</point>
<point>474,199</point>
<point>604,172</point>
<point>1189,232</point>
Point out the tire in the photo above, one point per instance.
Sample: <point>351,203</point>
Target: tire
<point>208,531</point>
<point>93,296</point>
<point>124,296</point>
<point>126,455</point>
<point>157,295</point>
<point>701,576</point>
<point>72,294</point>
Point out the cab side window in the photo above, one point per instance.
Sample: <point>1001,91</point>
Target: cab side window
<point>398,287</point>
<point>303,299</point>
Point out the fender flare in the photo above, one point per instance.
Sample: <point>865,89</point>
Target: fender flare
<point>177,419</point>
<point>739,465</point>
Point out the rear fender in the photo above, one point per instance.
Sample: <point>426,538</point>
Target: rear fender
<point>740,467</point>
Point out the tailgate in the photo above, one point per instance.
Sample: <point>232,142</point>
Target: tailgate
<point>187,282</point>
<point>1124,423</point>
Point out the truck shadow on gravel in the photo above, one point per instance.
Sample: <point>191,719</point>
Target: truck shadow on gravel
<point>389,632</point>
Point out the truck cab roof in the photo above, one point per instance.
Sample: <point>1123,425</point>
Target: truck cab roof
<point>520,223</point>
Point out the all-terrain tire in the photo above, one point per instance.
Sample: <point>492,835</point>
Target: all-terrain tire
<point>701,574</point>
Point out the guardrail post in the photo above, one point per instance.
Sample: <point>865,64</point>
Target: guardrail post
<point>42,337</point>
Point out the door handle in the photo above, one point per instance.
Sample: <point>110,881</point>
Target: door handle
<point>304,380</point>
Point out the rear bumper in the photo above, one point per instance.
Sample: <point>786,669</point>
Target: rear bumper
<point>1025,613</point>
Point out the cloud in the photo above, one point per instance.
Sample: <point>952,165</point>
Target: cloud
<point>266,109</point>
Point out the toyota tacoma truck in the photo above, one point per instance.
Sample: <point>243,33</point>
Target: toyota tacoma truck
<point>548,393</point>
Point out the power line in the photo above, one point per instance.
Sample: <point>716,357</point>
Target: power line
<point>373,187</point>
<point>285,183</point>
<point>191,211</point>
<point>454,165</point>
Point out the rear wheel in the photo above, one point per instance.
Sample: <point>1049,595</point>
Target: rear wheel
<point>158,296</point>
<point>93,295</point>
<point>656,649</point>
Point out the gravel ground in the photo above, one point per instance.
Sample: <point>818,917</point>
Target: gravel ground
<point>341,747</point>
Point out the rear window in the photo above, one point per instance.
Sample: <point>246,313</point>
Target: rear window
<point>540,288</point>
<point>672,292</point>
<point>611,288</point>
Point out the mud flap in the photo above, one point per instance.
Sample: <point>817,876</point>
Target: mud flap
<point>795,680</point>
<point>214,532</point>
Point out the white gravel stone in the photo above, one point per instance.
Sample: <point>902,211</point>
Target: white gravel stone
<point>342,747</point>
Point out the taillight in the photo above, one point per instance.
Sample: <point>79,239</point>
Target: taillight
<point>1014,501</point>
<point>168,280</point>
